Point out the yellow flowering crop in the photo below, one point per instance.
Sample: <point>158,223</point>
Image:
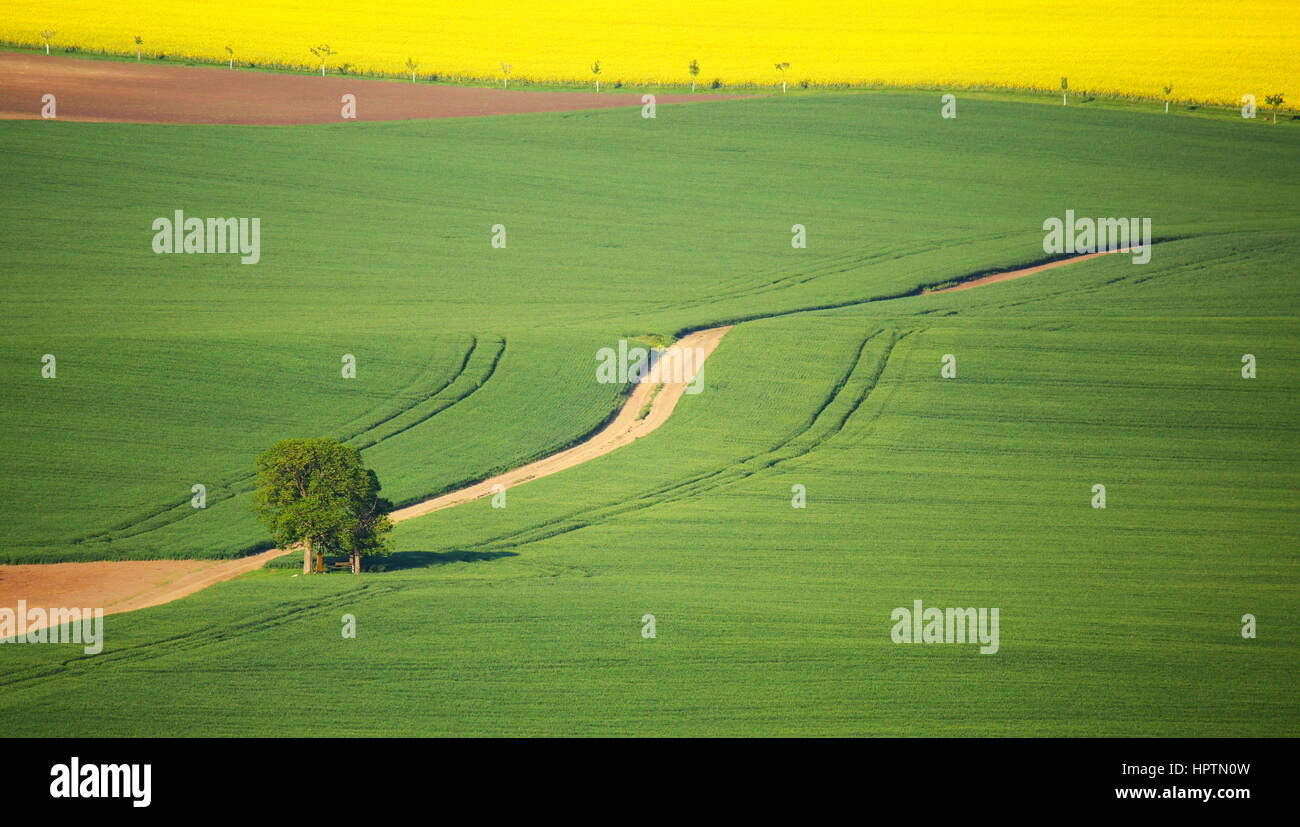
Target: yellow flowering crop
<point>1208,50</point>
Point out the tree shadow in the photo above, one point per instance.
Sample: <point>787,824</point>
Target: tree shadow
<point>403,560</point>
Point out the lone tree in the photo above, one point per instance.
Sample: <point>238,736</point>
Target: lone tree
<point>505,74</point>
<point>47,36</point>
<point>1275,101</point>
<point>230,50</point>
<point>1168,89</point>
<point>781,67</point>
<point>695,71</point>
<point>139,41</point>
<point>1065,88</point>
<point>595,70</point>
<point>411,65</point>
<point>317,493</point>
<point>322,52</point>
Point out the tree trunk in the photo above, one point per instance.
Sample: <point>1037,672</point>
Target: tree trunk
<point>320,562</point>
<point>692,85</point>
<point>306,558</point>
<point>356,563</point>
<point>47,50</point>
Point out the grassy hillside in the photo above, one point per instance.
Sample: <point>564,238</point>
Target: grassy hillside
<point>771,620</point>
<point>176,369</point>
<point>774,620</point>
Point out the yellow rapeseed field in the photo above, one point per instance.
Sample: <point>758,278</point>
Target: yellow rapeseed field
<point>1207,50</point>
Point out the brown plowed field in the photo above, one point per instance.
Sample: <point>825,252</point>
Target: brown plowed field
<point>112,90</point>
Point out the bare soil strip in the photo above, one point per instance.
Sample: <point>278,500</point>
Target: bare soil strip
<point>117,585</point>
<point>119,91</point>
<point>124,586</point>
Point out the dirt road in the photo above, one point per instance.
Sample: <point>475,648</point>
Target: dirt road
<point>1026,271</point>
<point>124,586</point>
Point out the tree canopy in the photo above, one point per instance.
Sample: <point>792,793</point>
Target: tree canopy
<point>318,493</point>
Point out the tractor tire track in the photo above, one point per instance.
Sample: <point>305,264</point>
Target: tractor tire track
<point>820,428</point>
<point>246,483</point>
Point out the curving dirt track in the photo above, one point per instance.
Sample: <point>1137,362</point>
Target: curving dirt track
<point>111,90</point>
<point>623,430</point>
<point>1027,271</point>
<point>124,586</point>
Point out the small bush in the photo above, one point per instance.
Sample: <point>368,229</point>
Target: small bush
<point>716,84</point>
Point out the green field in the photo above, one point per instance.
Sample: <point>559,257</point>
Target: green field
<point>771,620</point>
